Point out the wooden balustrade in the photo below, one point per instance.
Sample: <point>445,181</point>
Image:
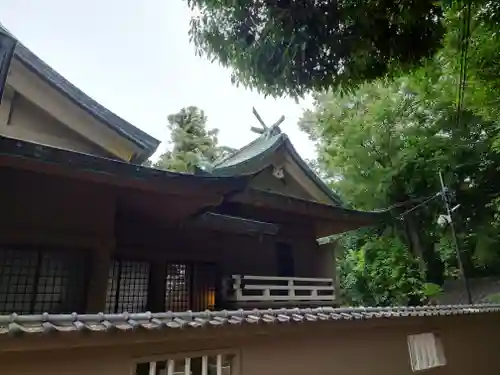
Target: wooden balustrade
<point>281,289</point>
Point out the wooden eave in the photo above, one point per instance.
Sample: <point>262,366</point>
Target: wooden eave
<point>182,198</point>
<point>173,196</point>
<point>323,219</point>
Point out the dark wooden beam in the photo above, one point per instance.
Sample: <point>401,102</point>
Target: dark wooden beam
<point>235,224</point>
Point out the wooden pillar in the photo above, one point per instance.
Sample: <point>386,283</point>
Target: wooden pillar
<point>336,277</point>
<point>326,261</point>
<point>100,262</point>
<point>329,265</point>
<point>156,292</point>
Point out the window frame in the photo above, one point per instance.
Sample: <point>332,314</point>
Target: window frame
<point>197,287</point>
<point>46,253</point>
<point>182,355</point>
<point>437,351</point>
<point>113,294</point>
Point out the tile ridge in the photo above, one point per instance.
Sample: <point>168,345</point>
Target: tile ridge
<point>123,321</point>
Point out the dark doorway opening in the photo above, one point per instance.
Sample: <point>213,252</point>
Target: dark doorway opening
<point>284,260</point>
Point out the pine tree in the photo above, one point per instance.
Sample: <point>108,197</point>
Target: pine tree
<point>192,143</point>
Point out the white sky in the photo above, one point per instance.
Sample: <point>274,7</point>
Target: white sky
<point>134,57</point>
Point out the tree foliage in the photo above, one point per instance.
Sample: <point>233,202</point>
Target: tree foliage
<point>383,145</point>
<point>380,273</point>
<point>192,143</point>
<point>292,47</point>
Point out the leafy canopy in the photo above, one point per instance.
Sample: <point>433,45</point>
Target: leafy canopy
<point>381,272</point>
<point>385,142</point>
<point>295,46</point>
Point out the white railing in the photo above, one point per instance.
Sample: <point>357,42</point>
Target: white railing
<point>280,289</point>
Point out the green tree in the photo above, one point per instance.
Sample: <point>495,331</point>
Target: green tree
<point>192,143</point>
<point>292,47</point>
<point>380,273</point>
<point>385,142</point>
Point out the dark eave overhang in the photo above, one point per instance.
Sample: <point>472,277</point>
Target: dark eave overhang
<point>50,160</point>
<point>325,219</point>
<point>235,224</point>
<point>144,141</point>
<point>266,212</point>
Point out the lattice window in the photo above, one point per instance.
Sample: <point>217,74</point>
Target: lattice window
<point>128,285</point>
<point>426,351</point>
<point>42,281</point>
<point>190,286</point>
<point>177,287</point>
<point>217,364</point>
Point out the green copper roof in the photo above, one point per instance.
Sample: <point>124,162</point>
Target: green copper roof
<point>252,150</point>
<point>269,141</point>
<point>254,155</point>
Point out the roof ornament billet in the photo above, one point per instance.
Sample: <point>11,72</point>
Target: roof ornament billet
<point>266,130</point>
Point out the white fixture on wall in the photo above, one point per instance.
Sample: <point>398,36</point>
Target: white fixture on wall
<point>426,351</point>
<point>278,172</point>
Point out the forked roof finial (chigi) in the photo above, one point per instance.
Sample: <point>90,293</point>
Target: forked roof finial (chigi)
<point>264,130</point>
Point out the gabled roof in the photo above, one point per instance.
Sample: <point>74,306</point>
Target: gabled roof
<point>146,142</point>
<point>259,150</point>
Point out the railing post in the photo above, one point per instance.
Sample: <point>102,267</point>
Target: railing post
<point>329,264</point>
<point>152,368</point>
<point>267,293</point>
<point>219,364</point>
<point>170,367</point>
<point>291,288</point>
<point>237,287</point>
<point>204,365</point>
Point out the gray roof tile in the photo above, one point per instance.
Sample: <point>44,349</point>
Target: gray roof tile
<point>15,324</point>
